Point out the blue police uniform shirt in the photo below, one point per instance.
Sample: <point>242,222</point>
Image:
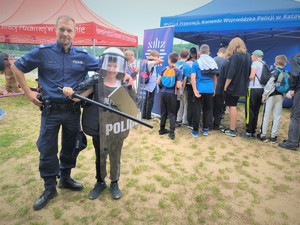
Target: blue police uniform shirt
<point>57,68</point>
<point>204,83</point>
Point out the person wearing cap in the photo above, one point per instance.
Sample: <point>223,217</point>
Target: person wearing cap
<point>254,95</point>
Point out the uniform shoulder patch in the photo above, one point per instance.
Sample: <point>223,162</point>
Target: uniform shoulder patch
<point>81,50</point>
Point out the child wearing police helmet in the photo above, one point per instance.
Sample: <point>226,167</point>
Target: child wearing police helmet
<point>108,130</point>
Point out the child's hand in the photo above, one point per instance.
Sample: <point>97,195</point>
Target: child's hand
<point>128,79</point>
<point>197,94</point>
<point>68,91</point>
<point>290,94</point>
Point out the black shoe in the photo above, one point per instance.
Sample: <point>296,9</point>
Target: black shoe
<point>273,140</point>
<point>220,127</point>
<point>98,188</point>
<point>44,199</point>
<point>71,184</point>
<point>172,135</point>
<point>262,138</point>
<point>248,135</point>
<point>288,146</point>
<point>177,125</point>
<point>164,131</point>
<point>115,190</point>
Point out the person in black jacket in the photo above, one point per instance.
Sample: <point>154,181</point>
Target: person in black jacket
<point>237,79</point>
<point>292,143</point>
<point>108,130</point>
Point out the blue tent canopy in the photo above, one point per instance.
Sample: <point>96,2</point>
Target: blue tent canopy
<point>226,19</point>
<point>272,26</point>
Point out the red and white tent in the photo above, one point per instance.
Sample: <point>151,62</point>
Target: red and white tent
<point>33,22</point>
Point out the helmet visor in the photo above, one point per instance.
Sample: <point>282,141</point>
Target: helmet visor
<point>113,63</point>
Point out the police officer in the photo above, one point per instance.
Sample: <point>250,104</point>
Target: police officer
<point>59,64</point>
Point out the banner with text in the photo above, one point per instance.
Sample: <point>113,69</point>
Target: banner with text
<point>160,39</point>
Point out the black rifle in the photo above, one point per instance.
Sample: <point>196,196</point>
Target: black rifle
<point>110,109</point>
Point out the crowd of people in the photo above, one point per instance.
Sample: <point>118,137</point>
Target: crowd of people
<point>207,86</point>
<point>193,84</point>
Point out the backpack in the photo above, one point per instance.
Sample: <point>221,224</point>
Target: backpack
<point>145,74</point>
<point>282,83</point>
<point>265,74</point>
<point>168,77</point>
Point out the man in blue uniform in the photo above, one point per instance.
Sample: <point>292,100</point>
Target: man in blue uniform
<point>59,65</point>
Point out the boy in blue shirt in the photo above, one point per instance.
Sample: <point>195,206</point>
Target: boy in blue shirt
<point>204,80</point>
<point>182,101</point>
<point>168,97</point>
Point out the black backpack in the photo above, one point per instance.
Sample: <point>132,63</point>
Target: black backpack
<point>265,74</point>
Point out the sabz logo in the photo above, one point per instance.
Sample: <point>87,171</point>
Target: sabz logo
<point>158,45</point>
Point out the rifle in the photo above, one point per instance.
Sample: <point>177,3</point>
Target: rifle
<point>110,109</point>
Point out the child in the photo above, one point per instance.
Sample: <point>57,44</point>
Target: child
<point>168,97</point>
<point>254,95</point>
<point>101,124</point>
<point>273,102</point>
<point>181,108</point>
<point>150,88</point>
<point>204,81</point>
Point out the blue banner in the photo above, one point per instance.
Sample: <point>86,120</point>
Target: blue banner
<point>160,39</point>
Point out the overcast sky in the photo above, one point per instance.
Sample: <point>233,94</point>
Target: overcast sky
<point>135,16</point>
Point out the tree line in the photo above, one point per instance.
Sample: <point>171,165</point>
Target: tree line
<point>20,49</point>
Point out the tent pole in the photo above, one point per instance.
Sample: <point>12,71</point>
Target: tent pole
<point>94,46</point>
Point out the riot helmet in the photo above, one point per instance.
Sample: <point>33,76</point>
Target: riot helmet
<point>113,60</point>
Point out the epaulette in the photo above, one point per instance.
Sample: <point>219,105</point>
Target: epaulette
<point>45,46</point>
<point>80,50</point>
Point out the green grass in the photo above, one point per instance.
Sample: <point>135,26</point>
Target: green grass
<point>211,180</point>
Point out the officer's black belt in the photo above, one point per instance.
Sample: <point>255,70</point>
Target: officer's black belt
<point>62,105</point>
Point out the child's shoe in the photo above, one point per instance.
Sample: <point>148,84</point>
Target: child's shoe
<point>205,132</point>
<point>231,133</point>
<point>195,133</point>
<point>262,138</point>
<point>273,140</point>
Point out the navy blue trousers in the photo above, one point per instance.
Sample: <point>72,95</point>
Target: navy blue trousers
<point>50,166</point>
